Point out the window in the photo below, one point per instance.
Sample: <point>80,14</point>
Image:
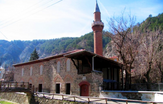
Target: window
<point>58,88</point>
<point>22,71</point>
<point>31,71</point>
<point>41,69</point>
<point>68,86</point>
<point>58,66</point>
<point>68,64</point>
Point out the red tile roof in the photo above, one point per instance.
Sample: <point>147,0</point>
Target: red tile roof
<point>48,58</point>
<point>70,54</point>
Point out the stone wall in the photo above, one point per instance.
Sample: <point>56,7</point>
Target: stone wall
<point>63,76</point>
<point>51,76</point>
<point>42,100</point>
<point>35,79</point>
<point>97,78</point>
<point>20,98</point>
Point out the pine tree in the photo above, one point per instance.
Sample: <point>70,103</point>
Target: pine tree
<point>34,55</point>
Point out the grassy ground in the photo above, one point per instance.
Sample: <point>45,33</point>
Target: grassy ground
<point>5,102</point>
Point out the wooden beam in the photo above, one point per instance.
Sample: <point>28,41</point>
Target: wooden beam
<point>88,62</point>
<point>77,67</point>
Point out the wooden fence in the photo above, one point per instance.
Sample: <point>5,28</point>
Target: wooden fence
<point>25,86</point>
<point>15,86</point>
<point>105,100</point>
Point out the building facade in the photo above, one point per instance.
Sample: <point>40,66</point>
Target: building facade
<point>77,72</point>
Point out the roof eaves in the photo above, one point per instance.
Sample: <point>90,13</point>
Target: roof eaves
<point>93,54</point>
<point>47,58</point>
<point>39,60</point>
<point>75,53</point>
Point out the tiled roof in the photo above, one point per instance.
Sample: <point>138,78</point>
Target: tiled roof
<point>70,54</point>
<point>49,58</point>
<point>114,57</point>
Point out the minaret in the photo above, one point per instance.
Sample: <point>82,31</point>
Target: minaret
<point>97,27</point>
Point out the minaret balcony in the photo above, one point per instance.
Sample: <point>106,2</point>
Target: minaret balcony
<point>97,23</point>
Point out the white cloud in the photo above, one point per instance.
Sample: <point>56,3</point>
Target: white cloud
<point>49,23</point>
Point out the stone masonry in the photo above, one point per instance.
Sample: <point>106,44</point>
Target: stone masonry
<point>50,77</point>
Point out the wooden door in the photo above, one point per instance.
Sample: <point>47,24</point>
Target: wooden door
<point>84,90</point>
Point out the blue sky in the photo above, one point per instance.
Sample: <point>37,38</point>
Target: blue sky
<point>49,19</point>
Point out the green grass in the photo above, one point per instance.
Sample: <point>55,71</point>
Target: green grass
<point>5,102</point>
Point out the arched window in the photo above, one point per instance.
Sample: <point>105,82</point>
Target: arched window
<point>41,69</point>
<point>68,64</point>
<point>58,66</point>
<point>30,71</point>
<point>22,71</point>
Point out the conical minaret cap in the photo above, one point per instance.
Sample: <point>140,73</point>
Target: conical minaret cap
<point>97,8</point>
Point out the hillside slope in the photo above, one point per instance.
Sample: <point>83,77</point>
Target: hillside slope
<point>19,51</point>
<point>151,24</point>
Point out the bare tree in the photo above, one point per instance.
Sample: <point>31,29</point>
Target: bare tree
<point>9,74</point>
<point>138,50</point>
<point>159,55</point>
<point>127,41</point>
<point>159,63</point>
<point>150,52</point>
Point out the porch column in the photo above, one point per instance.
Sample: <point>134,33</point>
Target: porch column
<point>122,78</point>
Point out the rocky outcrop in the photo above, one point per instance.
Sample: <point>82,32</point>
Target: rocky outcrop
<point>110,50</point>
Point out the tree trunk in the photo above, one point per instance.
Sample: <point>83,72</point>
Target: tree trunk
<point>148,82</point>
<point>127,81</point>
<point>161,77</point>
<point>148,78</point>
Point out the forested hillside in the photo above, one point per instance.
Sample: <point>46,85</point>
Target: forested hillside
<point>153,23</point>
<point>139,47</point>
<point>19,51</point>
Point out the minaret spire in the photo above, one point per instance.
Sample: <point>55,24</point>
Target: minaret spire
<point>97,27</point>
<point>96,7</point>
